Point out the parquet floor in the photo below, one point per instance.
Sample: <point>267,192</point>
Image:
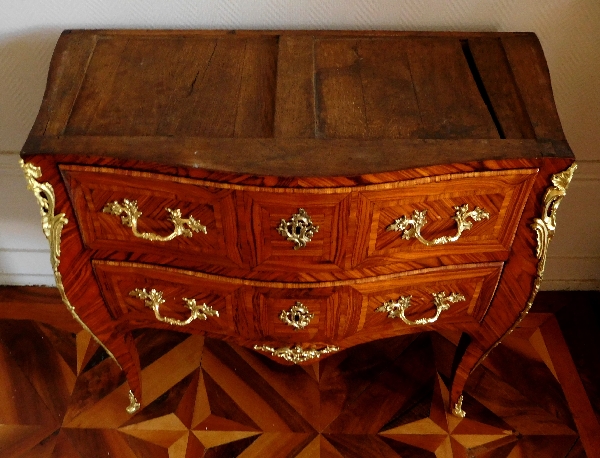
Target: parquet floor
<point>537,395</point>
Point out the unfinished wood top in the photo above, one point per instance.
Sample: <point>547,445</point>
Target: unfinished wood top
<point>253,90</point>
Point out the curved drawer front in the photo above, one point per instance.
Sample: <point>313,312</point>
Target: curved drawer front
<point>126,285</point>
<point>285,313</point>
<point>459,219</point>
<point>296,231</point>
<point>279,314</point>
<point>332,314</point>
<point>299,235</point>
<point>447,298</point>
<point>105,199</point>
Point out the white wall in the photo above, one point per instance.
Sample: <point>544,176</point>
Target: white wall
<point>568,29</point>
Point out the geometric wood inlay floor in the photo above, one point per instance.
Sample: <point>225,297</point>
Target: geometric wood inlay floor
<point>61,397</point>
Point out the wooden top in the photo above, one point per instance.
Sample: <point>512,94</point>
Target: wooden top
<point>298,103</point>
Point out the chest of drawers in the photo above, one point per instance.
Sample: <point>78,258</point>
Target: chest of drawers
<point>298,193</point>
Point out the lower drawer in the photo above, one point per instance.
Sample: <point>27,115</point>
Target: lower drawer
<point>278,314</point>
<point>447,298</point>
<point>142,296</point>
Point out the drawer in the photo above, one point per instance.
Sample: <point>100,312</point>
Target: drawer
<point>286,313</point>
<point>127,290</point>
<point>94,191</point>
<point>460,219</point>
<point>303,315</point>
<point>291,231</point>
<point>450,298</point>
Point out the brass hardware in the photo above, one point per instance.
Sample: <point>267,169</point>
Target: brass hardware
<point>396,309</point>
<point>412,227</point>
<point>154,299</point>
<point>296,354</point>
<point>131,215</point>
<point>299,229</point>
<point>544,228</point>
<point>133,406</point>
<point>52,225</point>
<point>298,316</point>
<point>458,411</point>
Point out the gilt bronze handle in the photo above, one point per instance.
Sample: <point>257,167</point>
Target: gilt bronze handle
<point>396,309</point>
<point>154,300</point>
<point>411,227</point>
<point>131,215</point>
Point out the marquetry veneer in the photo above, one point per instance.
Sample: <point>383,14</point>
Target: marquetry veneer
<point>423,171</point>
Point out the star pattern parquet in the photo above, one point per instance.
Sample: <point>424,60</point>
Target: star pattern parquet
<point>62,397</point>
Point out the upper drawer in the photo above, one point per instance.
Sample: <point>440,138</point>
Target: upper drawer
<point>453,218</point>
<point>254,232</point>
<point>148,225</point>
<point>297,232</point>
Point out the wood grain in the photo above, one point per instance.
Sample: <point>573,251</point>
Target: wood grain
<point>68,69</point>
<point>92,189</point>
<point>533,80</point>
<point>500,86</point>
<point>503,196</point>
<point>256,250</point>
<point>294,103</point>
<point>449,102</point>
<point>239,74</point>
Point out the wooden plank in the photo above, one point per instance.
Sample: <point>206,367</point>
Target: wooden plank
<point>449,102</point>
<point>120,94</point>
<point>138,86</point>
<point>297,33</point>
<point>500,87</point>
<point>529,68</point>
<point>390,103</point>
<point>340,108</point>
<point>256,108</point>
<point>364,89</point>
<point>188,67</point>
<point>295,98</point>
<point>160,75</point>
<point>176,86</point>
<point>97,88</point>
<point>67,71</point>
<point>213,103</point>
